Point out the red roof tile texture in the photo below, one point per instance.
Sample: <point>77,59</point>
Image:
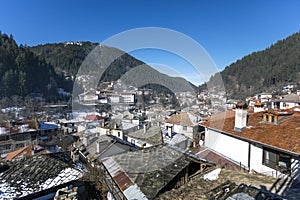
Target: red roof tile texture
<point>25,151</point>
<point>182,119</point>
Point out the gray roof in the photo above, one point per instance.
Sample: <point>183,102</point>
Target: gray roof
<point>130,190</point>
<point>290,98</point>
<point>34,174</point>
<point>108,147</point>
<point>152,136</point>
<point>150,169</point>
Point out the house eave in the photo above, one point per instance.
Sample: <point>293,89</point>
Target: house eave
<point>254,141</point>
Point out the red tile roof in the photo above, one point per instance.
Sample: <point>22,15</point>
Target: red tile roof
<point>183,119</point>
<point>93,117</point>
<point>285,135</point>
<point>25,151</point>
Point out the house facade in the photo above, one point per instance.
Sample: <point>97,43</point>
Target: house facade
<point>184,123</point>
<point>286,102</point>
<point>264,142</point>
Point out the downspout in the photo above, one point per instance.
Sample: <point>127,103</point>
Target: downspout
<point>249,156</point>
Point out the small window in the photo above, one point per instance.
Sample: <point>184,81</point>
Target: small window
<point>270,159</point>
<point>184,128</point>
<point>119,134</point>
<point>277,161</point>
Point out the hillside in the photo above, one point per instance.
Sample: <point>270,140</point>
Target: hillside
<point>264,71</point>
<point>23,73</point>
<point>64,57</point>
<point>67,58</point>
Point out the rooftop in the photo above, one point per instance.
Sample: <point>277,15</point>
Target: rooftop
<point>284,135</point>
<point>290,98</point>
<point>152,136</point>
<point>26,151</point>
<point>93,117</point>
<point>149,170</point>
<point>108,147</point>
<point>47,126</point>
<point>198,187</point>
<point>34,174</point>
<point>184,119</point>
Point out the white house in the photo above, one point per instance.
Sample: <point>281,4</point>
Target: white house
<point>127,97</point>
<point>265,142</point>
<point>113,98</point>
<point>184,123</point>
<point>287,101</point>
<point>263,97</point>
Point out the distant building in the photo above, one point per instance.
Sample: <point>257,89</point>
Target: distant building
<point>16,135</point>
<point>146,137</point>
<point>286,102</point>
<point>184,123</point>
<point>25,152</point>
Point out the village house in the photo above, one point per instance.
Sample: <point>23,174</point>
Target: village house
<point>145,137</point>
<point>263,97</point>
<point>38,176</point>
<point>144,174</point>
<point>265,142</point>
<point>16,135</point>
<point>89,97</point>
<point>25,152</point>
<point>184,123</point>
<point>286,102</point>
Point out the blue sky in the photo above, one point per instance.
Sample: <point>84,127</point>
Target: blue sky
<point>227,30</point>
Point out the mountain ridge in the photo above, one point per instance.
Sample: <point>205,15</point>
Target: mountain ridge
<point>264,71</point>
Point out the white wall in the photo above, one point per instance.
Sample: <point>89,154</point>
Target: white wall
<point>237,150</point>
<point>228,146</point>
<point>115,133</point>
<point>256,162</point>
<point>179,129</point>
<point>138,142</point>
<point>102,131</point>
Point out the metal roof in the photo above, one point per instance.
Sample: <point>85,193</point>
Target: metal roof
<point>130,190</point>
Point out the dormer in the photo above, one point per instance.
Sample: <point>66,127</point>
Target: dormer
<point>275,116</point>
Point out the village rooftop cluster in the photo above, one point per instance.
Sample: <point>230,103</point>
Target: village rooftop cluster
<point>142,147</point>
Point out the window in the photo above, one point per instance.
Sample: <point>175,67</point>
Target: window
<point>284,104</point>
<point>269,159</point>
<point>119,134</point>
<point>277,160</point>
<point>184,128</point>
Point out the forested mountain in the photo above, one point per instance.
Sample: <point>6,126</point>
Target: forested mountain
<point>67,58</point>
<point>264,71</point>
<point>23,73</point>
<point>43,68</point>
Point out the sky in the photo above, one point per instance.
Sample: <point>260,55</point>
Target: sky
<point>227,30</point>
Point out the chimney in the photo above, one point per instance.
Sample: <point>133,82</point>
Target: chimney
<point>169,131</point>
<point>240,117</point>
<point>98,147</point>
<point>258,107</point>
